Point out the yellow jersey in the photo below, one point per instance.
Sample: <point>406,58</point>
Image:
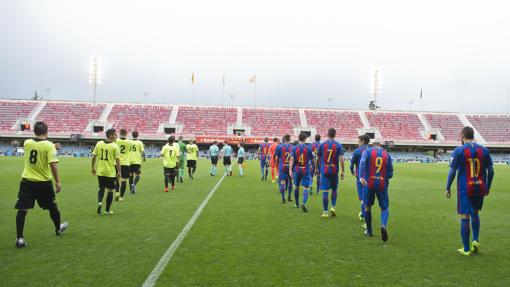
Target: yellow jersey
<point>136,151</point>
<point>125,146</point>
<point>38,156</point>
<point>106,154</point>
<point>170,154</point>
<point>192,152</point>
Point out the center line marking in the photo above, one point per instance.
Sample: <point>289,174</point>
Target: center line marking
<point>156,272</point>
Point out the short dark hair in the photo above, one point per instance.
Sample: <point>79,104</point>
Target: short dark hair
<point>266,139</point>
<point>215,142</point>
<point>180,138</point>
<point>171,139</point>
<point>40,129</point>
<point>468,133</point>
<point>135,134</point>
<point>317,137</point>
<point>123,132</point>
<point>331,133</point>
<point>365,139</point>
<point>275,140</point>
<point>110,132</point>
<point>302,137</point>
<point>377,144</point>
<point>295,142</point>
<point>193,141</point>
<point>286,138</point>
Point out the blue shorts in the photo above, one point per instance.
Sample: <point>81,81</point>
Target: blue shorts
<point>264,163</point>
<point>329,181</point>
<point>282,176</point>
<point>312,170</point>
<point>302,179</point>
<point>382,197</point>
<point>468,205</point>
<point>360,189</point>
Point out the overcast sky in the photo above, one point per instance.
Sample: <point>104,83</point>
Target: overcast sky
<point>302,52</point>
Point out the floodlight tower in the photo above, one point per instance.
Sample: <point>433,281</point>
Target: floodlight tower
<point>95,74</point>
<point>330,100</point>
<point>232,97</point>
<point>375,86</point>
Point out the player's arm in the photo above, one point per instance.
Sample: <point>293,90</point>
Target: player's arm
<point>291,164</point>
<point>390,167</point>
<point>94,156</point>
<point>53,161</point>
<point>353,161</point>
<point>143,152</point>
<point>117,160</point>
<point>451,173</point>
<point>490,172</point>
<point>362,168</point>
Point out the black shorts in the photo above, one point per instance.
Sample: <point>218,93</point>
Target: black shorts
<point>124,171</point>
<point>214,160</point>
<point>135,168</point>
<point>226,160</point>
<point>192,163</point>
<point>30,191</point>
<point>106,182</point>
<point>240,160</point>
<point>169,171</point>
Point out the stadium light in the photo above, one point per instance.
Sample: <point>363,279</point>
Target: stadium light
<point>330,100</point>
<point>145,94</point>
<point>232,97</point>
<point>375,85</point>
<point>95,74</point>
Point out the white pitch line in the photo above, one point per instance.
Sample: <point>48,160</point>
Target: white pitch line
<point>156,272</point>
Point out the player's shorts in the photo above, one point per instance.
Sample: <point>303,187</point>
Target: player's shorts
<point>168,171</point>
<point>240,160</point>
<point>369,196</point>
<point>124,171</point>
<point>283,175</point>
<point>192,163</point>
<point>30,191</point>
<point>214,160</point>
<point>312,169</point>
<point>468,205</point>
<point>264,163</point>
<point>301,179</point>
<point>226,160</point>
<point>360,189</point>
<point>106,182</point>
<point>135,168</point>
<point>329,181</point>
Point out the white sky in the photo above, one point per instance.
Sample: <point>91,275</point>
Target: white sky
<point>303,52</point>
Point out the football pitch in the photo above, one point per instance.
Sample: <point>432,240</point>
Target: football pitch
<point>245,236</point>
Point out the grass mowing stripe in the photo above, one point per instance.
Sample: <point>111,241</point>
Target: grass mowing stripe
<point>153,277</point>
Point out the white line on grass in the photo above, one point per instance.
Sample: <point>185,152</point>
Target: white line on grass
<point>156,272</point>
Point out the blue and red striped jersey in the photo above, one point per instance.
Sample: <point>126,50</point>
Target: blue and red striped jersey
<point>283,152</point>
<point>302,155</point>
<point>264,151</point>
<point>376,167</point>
<point>356,158</point>
<point>473,164</point>
<point>329,153</point>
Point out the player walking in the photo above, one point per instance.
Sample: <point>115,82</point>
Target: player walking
<point>226,153</point>
<point>282,157</point>
<point>192,157</point>
<point>363,142</point>
<point>375,171</point>
<point>125,162</point>
<point>213,153</point>
<point>108,168</point>
<point>331,157</point>
<point>272,163</point>
<point>137,153</point>
<point>182,149</point>
<point>315,149</point>
<point>473,165</point>
<point>264,158</point>
<point>40,164</point>
<point>240,158</point>
<point>170,153</point>
<point>300,169</point>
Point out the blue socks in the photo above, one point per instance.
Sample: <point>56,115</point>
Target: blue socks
<point>368,221</point>
<point>464,232</point>
<point>305,196</point>
<point>475,224</point>
<point>362,210</point>
<point>282,190</point>
<point>325,200</point>
<point>385,213</point>
<point>296,196</point>
<point>334,195</point>
<point>318,183</point>
<point>288,182</point>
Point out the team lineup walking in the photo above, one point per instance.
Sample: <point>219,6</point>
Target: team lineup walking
<point>117,161</point>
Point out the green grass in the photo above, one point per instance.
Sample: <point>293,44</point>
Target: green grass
<point>247,237</point>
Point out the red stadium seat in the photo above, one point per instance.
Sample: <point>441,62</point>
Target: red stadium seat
<point>345,123</point>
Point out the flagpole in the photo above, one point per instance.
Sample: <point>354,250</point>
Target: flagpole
<point>255,91</point>
<point>223,92</point>
<point>421,98</point>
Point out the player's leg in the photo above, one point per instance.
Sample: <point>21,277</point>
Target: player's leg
<point>25,201</point>
<point>137,175</point>
<point>306,182</point>
<point>240,163</point>
<point>383,199</point>
<point>369,198</point>
<point>194,167</point>
<point>282,184</point>
<point>289,186</point>
<point>109,187</point>
<point>100,193</point>
<point>297,183</point>
<point>266,166</point>
<point>464,209</point>
<point>334,194</point>
<point>166,175</point>
<point>189,168</point>
<point>46,199</point>
<point>272,170</point>
<point>476,206</point>
<point>131,178</point>
<point>318,183</point>
<point>326,189</point>
<point>360,188</point>
<point>262,166</point>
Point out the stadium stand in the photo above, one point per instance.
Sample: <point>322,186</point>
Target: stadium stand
<point>396,126</point>
<point>143,118</point>
<point>69,117</point>
<point>271,122</point>
<point>448,124</point>
<point>346,123</point>
<point>206,120</point>
<point>493,128</point>
<point>11,111</point>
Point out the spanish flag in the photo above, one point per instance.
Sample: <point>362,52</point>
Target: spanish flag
<point>193,78</point>
<point>253,79</point>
